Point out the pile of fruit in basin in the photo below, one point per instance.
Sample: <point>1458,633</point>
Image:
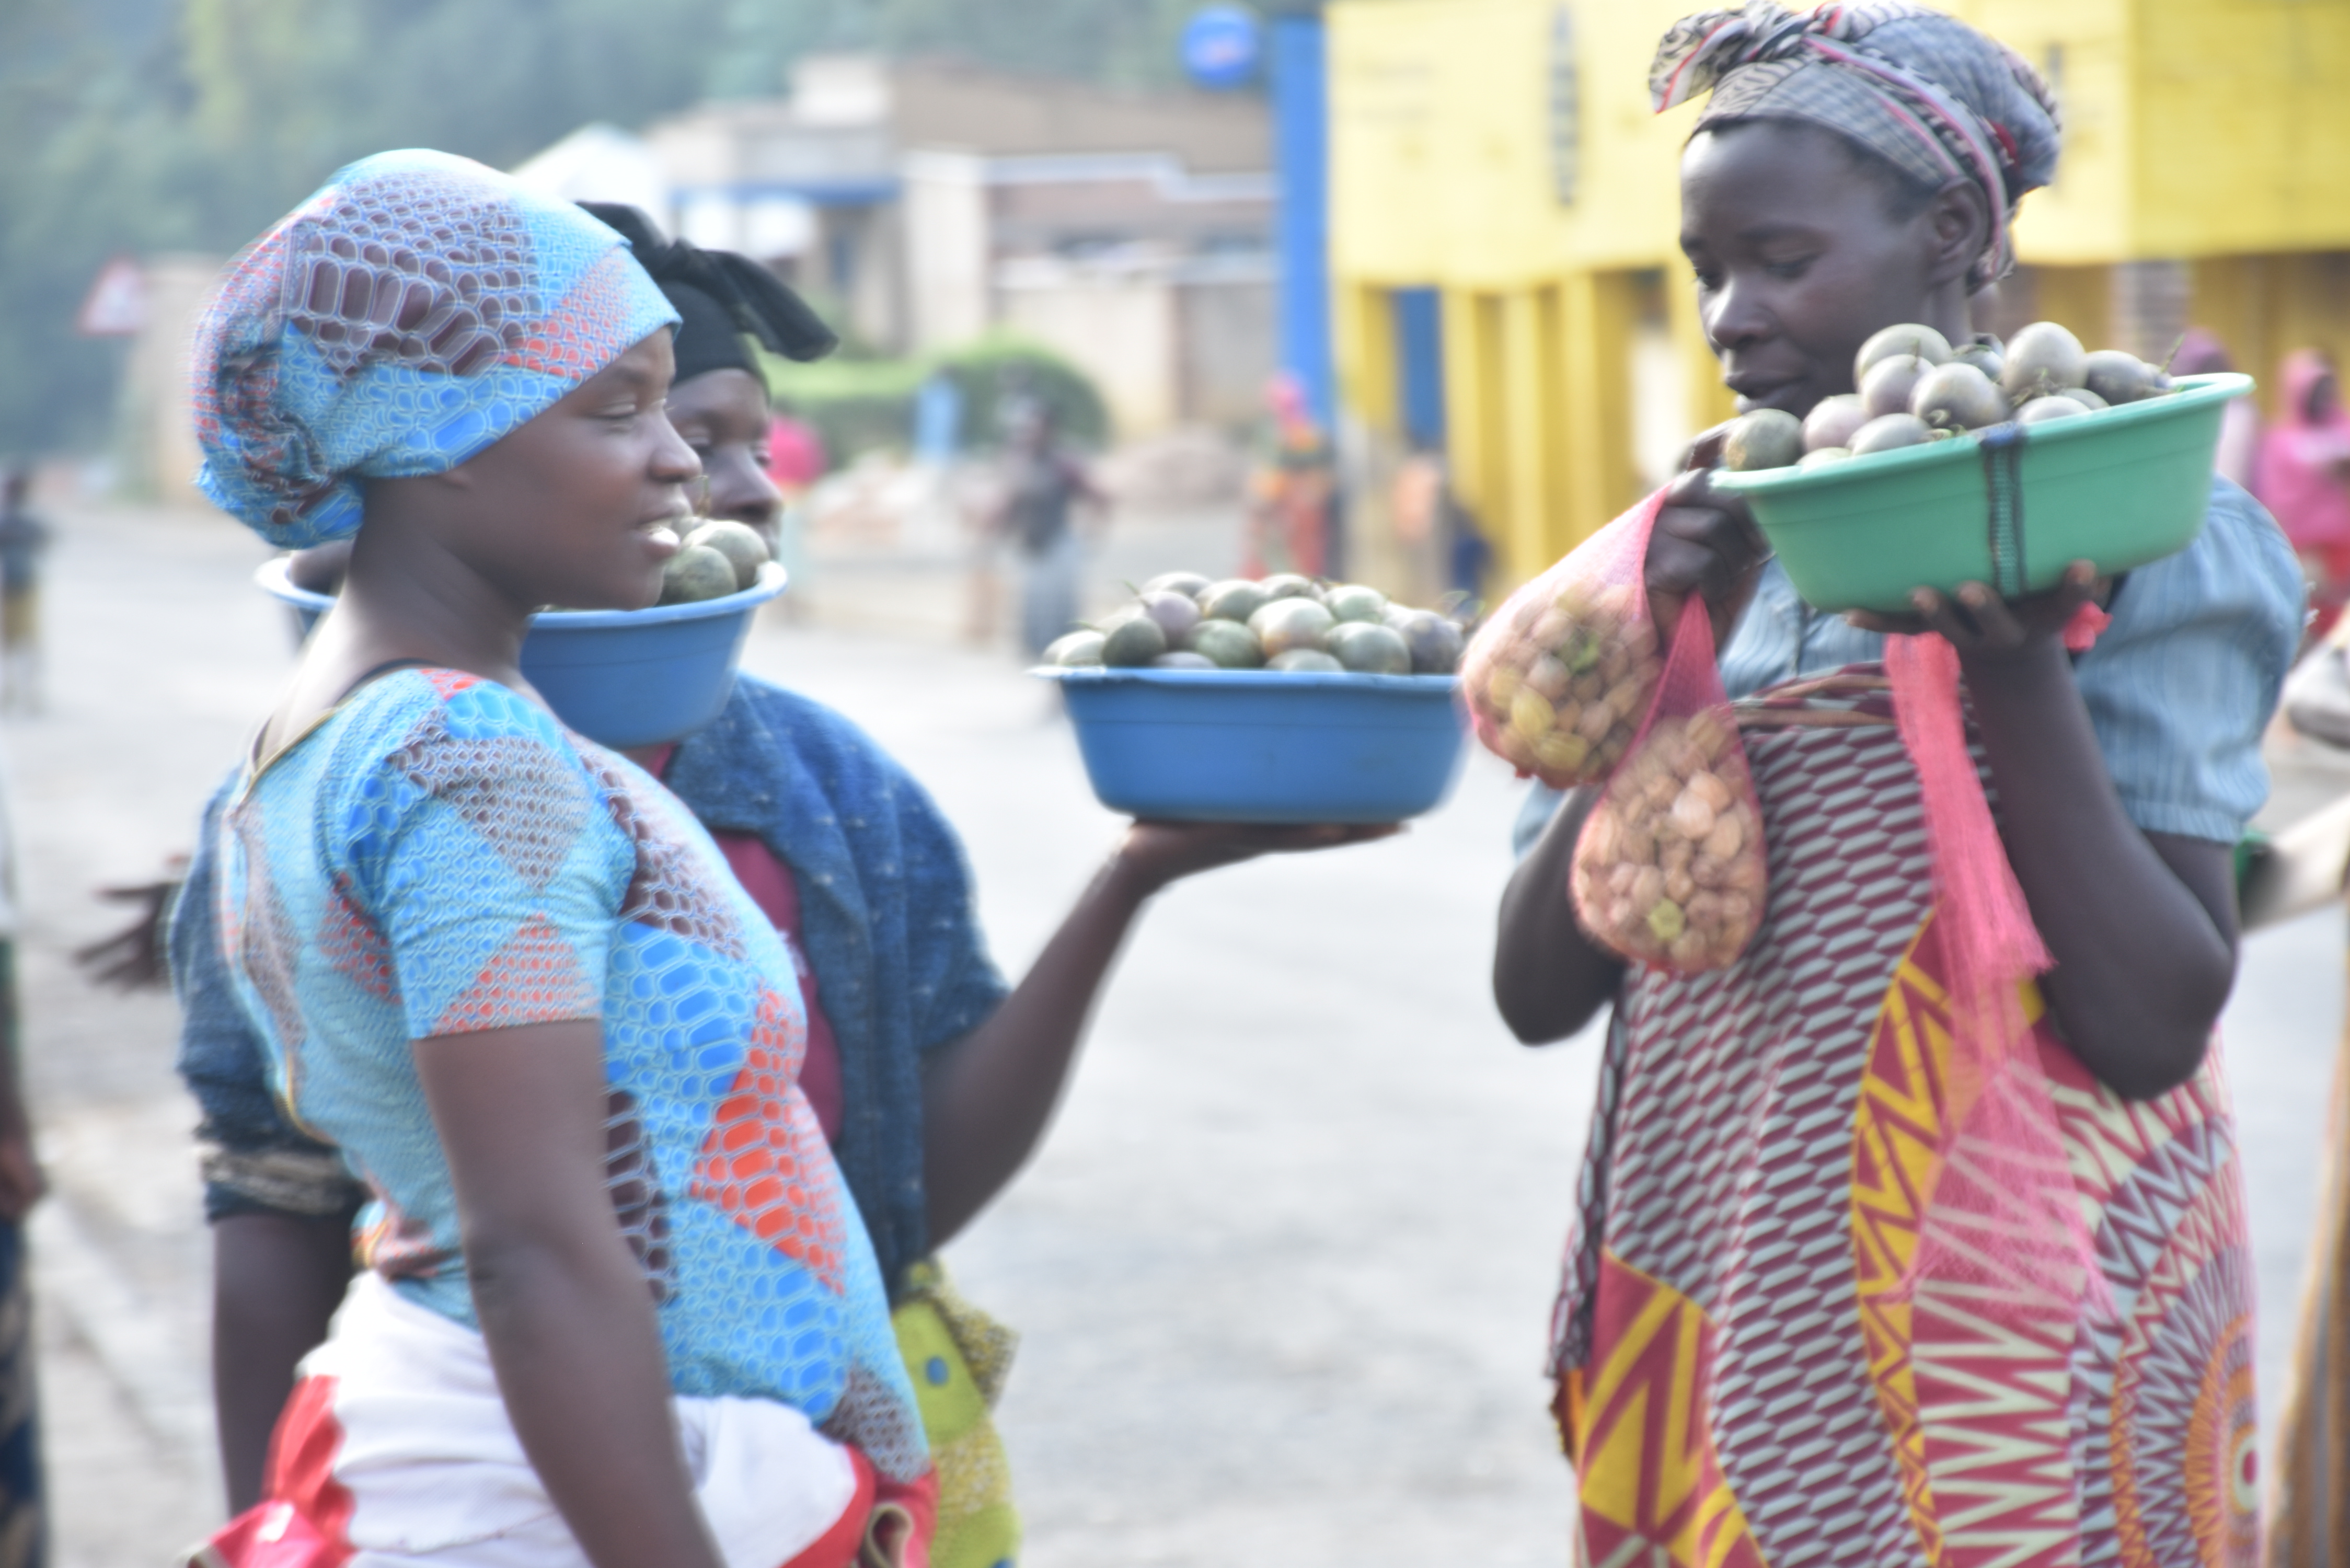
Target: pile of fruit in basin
<point>1182,621</point>
<point>1916,388</point>
<point>717,558</point>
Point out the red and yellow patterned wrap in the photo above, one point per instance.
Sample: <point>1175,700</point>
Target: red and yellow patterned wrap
<point>1754,1370</point>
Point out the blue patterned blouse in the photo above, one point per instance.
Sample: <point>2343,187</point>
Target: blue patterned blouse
<point>886,920</point>
<point>438,857</point>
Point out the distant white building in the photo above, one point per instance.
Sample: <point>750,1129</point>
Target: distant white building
<point>601,162</point>
<point>926,201</point>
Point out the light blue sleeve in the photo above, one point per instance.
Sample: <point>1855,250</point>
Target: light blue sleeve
<point>2183,681</point>
<point>486,873</point>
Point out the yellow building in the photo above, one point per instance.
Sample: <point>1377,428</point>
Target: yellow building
<point>1504,210</point>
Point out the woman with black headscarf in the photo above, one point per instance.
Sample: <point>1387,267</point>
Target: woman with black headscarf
<point>931,1078</point>
<point>1874,1265</point>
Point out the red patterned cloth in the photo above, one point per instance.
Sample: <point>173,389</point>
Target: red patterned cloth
<point>1752,1368</point>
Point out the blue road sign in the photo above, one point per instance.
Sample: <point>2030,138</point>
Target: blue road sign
<point>1223,46</point>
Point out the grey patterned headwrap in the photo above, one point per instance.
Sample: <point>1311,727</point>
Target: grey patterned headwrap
<point>1933,97</point>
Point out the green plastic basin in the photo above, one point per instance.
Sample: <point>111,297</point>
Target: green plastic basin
<point>2011,506</point>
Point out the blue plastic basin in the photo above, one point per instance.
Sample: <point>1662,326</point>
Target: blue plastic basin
<point>1249,745</point>
<point>621,677</point>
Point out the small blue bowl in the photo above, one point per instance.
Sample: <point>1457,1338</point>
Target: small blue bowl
<point>621,677</point>
<point>1253,745</point>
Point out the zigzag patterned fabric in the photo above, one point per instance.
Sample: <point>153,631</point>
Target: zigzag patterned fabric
<point>1753,1369</point>
<point>413,311</point>
<point>440,857</point>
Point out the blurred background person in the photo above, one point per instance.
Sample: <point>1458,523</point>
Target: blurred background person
<point>1293,493</point>
<point>1043,484</point>
<point>24,1527</point>
<point>1449,556</point>
<point>24,539</point>
<point>795,459</point>
<point>2202,354</point>
<point>2309,1526</point>
<point>1415,506</point>
<point>2303,478</point>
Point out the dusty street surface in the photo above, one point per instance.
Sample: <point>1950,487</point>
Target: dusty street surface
<point>1284,1271</point>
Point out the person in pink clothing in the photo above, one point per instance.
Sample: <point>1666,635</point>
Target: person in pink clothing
<point>2303,478</point>
<point>2202,354</point>
<point>795,459</point>
<point>796,455</point>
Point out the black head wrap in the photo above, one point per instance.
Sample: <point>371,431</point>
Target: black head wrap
<point>719,297</point>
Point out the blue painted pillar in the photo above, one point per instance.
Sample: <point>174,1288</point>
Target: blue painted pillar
<point>1301,140</point>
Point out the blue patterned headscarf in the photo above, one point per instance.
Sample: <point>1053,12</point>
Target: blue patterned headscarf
<point>1927,93</point>
<point>415,310</point>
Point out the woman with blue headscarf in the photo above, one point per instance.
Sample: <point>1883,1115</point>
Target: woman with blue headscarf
<point>1876,1262</point>
<point>616,1304</point>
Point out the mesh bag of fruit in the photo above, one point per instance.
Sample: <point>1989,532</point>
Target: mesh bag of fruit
<point>1559,680</point>
<point>1670,870</point>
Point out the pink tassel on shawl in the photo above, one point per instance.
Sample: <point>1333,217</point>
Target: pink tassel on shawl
<point>2004,1217</point>
<point>1992,943</point>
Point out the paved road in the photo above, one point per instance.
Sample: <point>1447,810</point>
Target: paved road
<point>1284,1271</point>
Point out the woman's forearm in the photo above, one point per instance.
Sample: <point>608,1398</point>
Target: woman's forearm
<point>987,1098</point>
<point>2144,958</point>
<point>1549,978</point>
<point>569,1324</point>
<point>277,1281</point>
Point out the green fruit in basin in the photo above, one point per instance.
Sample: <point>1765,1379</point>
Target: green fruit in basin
<point>1078,649</point>
<point>1891,383</point>
<point>2055,405</point>
<point>694,574</point>
<point>1131,639</point>
<point>1958,397</point>
<point>2042,359</point>
<point>1182,658</point>
<point>1306,661</point>
<point>1175,613</point>
<point>1289,585</point>
<point>1227,644</point>
<point>1353,601</point>
<point>1909,337</point>
<point>1190,585</point>
<point>1287,624</point>
<point>1434,641</point>
<point>2121,377</point>
<point>1834,421</point>
<point>1987,358</point>
<point>1368,649</point>
<point>1235,599</point>
<point>739,542</point>
<point>1767,438</point>
<point>1890,431</point>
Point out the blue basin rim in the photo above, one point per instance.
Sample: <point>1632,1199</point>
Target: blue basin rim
<point>772,579</point>
<point>1245,679</point>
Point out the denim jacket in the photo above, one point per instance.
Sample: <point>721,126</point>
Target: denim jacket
<point>888,925</point>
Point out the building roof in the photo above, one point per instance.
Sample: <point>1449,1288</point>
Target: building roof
<point>840,134</point>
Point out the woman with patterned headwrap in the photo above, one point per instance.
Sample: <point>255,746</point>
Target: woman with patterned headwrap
<point>1917,1234</point>
<point>616,1306</point>
<point>928,1077</point>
